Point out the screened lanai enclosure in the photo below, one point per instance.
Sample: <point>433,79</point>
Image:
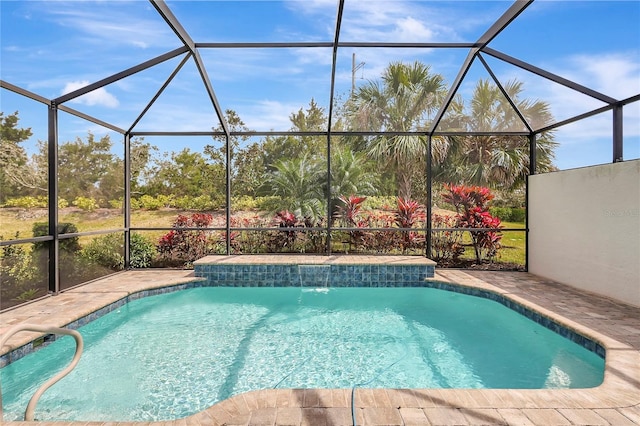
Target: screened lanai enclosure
<point>143,134</point>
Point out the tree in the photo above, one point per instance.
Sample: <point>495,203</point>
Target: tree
<point>309,120</point>
<point>498,161</point>
<point>187,173</point>
<point>18,173</point>
<point>246,159</point>
<point>299,182</point>
<point>350,175</point>
<point>404,101</point>
<point>82,166</point>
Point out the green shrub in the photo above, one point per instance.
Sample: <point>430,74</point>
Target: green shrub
<point>148,202</point>
<point>68,244</point>
<point>518,214</point>
<point>117,204</point>
<point>142,251</point>
<point>86,204</point>
<point>503,213</point>
<point>28,202</point>
<point>380,202</point>
<point>200,203</point>
<point>106,251</point>
<point>508,214</point>
<point>244,202</point>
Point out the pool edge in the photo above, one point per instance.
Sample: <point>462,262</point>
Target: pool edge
<point>618,390</point>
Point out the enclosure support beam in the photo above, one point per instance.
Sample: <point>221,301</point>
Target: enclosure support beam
<point>329,121</point>
<point>505,94</point>
<point>127,201</point>
<point>550,76</point>
<point>532,171</point>
<point>227,149</point>
<point>54,246</point>
<point>427,222</point>
<point>119,76</point>
<point>617,134</point>
<point>532,153</point>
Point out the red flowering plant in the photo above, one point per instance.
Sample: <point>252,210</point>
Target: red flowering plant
<point>446,245</point>
<point>184,246</point>
<point>471,203</point>
<point>248,241</point>
<point>408,214</point>
<point>347,213</point>
<point>286,240</point>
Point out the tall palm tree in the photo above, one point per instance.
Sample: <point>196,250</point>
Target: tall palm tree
<point>403,101</point>
<point>499,161</point>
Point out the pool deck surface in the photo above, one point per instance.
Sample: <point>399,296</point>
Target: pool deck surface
<point>613,324</point>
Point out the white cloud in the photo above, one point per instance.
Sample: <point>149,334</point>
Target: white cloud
<point>266,115</point>
<point>102,23</point>
<point>615,74</point>
<point>97,97</point>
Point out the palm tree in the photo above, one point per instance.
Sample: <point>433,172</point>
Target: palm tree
<point>299,183</point>
<point>403,102</point>
<point>350,175</point>
<point>498,161</point>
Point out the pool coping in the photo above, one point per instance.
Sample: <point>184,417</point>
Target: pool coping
<point>620,387</point>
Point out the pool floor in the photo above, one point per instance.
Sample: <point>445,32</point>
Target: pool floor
<point>614,324</point>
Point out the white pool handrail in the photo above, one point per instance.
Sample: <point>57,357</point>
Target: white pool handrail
<point>29,412</point>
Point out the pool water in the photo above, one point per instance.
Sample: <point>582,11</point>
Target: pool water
<point>169,356</point>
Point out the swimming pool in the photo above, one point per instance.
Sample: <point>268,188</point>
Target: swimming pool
<point>230,340</point>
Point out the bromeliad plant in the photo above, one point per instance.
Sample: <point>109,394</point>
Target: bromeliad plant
<point>472,211</point>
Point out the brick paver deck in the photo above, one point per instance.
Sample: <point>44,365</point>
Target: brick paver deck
<point>614,324</point>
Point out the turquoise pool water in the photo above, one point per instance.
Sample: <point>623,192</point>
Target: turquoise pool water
<point>169,356</point>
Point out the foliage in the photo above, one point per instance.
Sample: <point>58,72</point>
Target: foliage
<point>285,240</point>
<point>70,245</point>
<point>409,93</point>
<point>471,204</point>
<point>21,279</point>
<point>262,203</point>
<point>29,202</point>
<point>117,204</point>
<point>15,264</point>
<point>446,246</point>
<point>379,202</point>
<point>508,214</point>
<point>498,161</point>
<point>349,209</point>
<point>184,246</point>
<point>141,251</point>
<point>18,173</point>
<point>350,174</point>
<point>86,168</point>
<point>84,203</point>
<point>408,214</point>
<point>186,173</point>
<point>199,203</point>
<point>108,251</point>
<point>154,203</point>
<point>298,182</point>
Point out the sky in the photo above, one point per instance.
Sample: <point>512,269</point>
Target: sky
<point>54,47</point>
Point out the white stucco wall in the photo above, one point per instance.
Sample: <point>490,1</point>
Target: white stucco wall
<point>585,228</point>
